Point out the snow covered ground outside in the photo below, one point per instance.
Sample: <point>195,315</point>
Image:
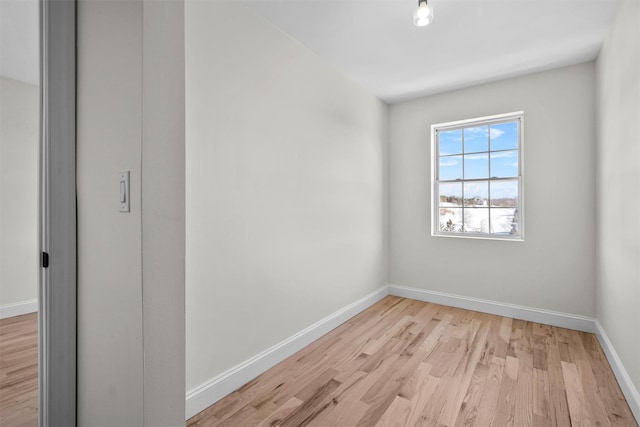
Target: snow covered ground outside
<point>476,220</point>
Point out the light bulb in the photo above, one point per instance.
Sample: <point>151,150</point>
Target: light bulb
<point>423,15</point>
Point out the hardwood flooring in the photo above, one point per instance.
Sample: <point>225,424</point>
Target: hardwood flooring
<point>19,371</point>
<point>407,363</point>
<point>399,363</point>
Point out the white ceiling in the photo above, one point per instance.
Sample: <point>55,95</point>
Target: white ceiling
<point>469,41</point>
<point>375,43</point>
<point>19,49</point>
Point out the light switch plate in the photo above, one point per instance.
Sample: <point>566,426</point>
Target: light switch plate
<point>123,192</point>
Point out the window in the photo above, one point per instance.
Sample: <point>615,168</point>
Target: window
<point>477,177</point>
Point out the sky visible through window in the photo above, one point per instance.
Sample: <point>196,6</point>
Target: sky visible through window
<point>488,151</point>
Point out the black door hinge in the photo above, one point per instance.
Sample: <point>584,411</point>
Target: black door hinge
<point>45,260</point>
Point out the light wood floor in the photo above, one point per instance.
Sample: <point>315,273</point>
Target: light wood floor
<point>399,363</point>
<point>405,363</point>
<point>19,371</point>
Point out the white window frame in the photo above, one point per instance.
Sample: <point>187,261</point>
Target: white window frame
<point>435,173</point>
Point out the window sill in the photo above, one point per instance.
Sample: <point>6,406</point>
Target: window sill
<point>478,237</point>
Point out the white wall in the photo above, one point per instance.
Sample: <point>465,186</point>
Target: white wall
<point>109,133</point>
<point>285,188</point>
<point>554,267</point>
<point>19,39</point>
<point>19,133</point>
<point>163,212</point>
<point>618,197</point>
<point>130,265</point>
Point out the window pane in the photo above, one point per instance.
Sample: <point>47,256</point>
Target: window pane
<point>476,166</point>
<point>504,193</point>
<point>451,219</point>
<point>504,136</point>
<point>476,193</point>
<point>450,194</point>
<point>476,139</point>
<point>504,164</point>
<point>504,221</point>
<point>450,168</point>
<point>450,142</point>
<point>476,220</point>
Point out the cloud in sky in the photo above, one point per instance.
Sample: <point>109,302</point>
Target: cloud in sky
<point>451,136</point>
<point>502,154</point>
<point>449,162</point>
<point>496,133</point>
<point>476,156</point>
<point>484,131</point>
<point>478,130</point>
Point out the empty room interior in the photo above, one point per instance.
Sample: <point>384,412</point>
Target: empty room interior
<point>353,213</point>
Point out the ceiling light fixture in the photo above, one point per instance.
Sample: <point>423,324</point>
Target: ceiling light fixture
<point>423,14</point>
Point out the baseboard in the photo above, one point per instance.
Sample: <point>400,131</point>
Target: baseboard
<point>628,388</point>
<point>18,308</point>
<point>215,389</point>
<point>547,317</point>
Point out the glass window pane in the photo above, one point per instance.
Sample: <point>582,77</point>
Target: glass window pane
<point>476,139</point>
<point>476,193</point>
<point>504,220</point>
<point>450,142</point>
<point>476,166</point>
<point>504,193</point>
<point>504,164</point>
<point>504,136</point>
<point>450,194</point>
<point>450,168</point>
<point>451,219</point>
<point>476,220</point>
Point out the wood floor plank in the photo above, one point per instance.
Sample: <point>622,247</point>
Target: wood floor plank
<point>284,411</point>
<point>340,399</point>
<point>311,407</point>
<point>471,349</point>
<point>588,381</point>
<point>427,386</point>
<point>491,392</point>
<point>19,370</point>
<point>471,402</point>
<point>346,414</point>
<point>541,397</point>
<point>557,392</point>
<point>523,413</point>
<point>504,414</point>
<point>397,415</point>
<point>578,407</point>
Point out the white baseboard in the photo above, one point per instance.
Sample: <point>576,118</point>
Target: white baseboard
<point>215,389</point>
<point>628,388</point>
<point>547,317</point>
<point>18,308</point>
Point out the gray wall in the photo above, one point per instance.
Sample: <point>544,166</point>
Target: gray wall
<point>618,200</point>
<point>285,188</point>
<point>163,212</point>
<point>554,267</point>
<point>130,265</point>
<point>19,133</point>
